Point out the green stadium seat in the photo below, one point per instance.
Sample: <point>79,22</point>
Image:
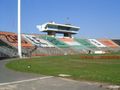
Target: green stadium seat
<point>55,41</point>
<point>85,43</point>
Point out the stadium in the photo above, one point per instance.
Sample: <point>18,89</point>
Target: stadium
<point>63,55</point>
<point>53,45</point>
<point>63,45</point>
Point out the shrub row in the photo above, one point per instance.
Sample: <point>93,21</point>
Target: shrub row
<point>100,57</point>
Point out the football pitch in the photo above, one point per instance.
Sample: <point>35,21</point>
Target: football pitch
<point>77,68</point>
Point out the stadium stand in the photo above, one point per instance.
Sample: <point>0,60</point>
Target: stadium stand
<point>79,48</point>
<point>90,48</point>
<point>37,41</point>
<point>47,51</point>
<point>85,42</point>
<point>69,41</point>
<point>3,56</point>
<point>11,40</point>
<point>6,50</point>
<point>117,41</point>
<point>108,43</point>
<point>55,41</point>
<point>60,45</point>
<point>44,45</point>
<point>100,47</point>
<point>96,43</point>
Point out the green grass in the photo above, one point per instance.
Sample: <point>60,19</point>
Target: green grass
<point>107,71</point>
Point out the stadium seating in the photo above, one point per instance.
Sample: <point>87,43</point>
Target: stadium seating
<point>55,41</point>
<point>7,50</point>
<point>85,42</point>
<point>3,56</point>
<point>117,41</point>
<point>108,43</point>
<point>76,46</point>
<point>65,48</point>
<point>11,38</point>
<point>69,41</point>
<point>96,43</point>
<point>44,45</point>
<point>37,41</point>
<point>47,51</point>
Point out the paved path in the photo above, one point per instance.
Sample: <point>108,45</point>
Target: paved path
<point>11,80</point>
<point>7,75</point>
<point>50,83</point>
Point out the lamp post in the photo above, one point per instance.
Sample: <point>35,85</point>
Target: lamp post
<point>19,30</point>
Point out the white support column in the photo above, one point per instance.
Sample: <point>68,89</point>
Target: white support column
<point>19,29</point>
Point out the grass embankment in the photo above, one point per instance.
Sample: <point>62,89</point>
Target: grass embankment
<point>100,70</point>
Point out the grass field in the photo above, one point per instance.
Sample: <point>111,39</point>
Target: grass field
<point>100,70</point>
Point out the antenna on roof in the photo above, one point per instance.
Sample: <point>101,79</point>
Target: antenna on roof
<point>51,21</point>
<point>67,21</point>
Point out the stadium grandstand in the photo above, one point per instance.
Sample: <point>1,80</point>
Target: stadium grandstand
<point>50,44</point>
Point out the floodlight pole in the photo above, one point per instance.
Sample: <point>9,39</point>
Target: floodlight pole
<point>19,30</point>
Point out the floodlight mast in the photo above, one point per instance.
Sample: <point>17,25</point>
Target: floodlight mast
<point>19,30</point>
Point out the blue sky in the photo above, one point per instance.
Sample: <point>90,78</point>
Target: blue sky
<point>97,18</point>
